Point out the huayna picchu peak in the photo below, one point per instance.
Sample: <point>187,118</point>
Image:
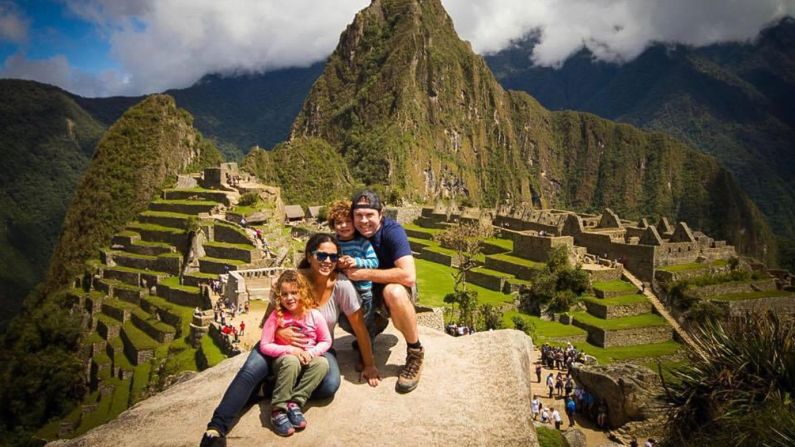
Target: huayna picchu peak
<point>412,108</point>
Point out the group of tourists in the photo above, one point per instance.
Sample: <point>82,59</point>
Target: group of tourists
<point>356,278</point>
<point>555,357</point>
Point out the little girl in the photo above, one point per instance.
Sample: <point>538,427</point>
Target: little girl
<point>294,304</point>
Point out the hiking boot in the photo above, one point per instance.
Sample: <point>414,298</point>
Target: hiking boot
<point>410,374</point>
<point>281,423</point>
<point>295,416</point>
<point>212,438</point>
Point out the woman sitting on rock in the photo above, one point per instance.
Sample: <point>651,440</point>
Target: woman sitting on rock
<point>333,294</point>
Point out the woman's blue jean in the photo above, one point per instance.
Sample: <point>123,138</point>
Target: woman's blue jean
<point>254,372</point>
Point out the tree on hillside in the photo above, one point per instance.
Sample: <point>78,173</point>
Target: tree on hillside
<point>557,287</point>
<point>740,391</point>
<point>465,239</point>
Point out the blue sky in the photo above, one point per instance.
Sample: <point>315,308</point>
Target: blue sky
<point>54,30</point>
<point>133,47</point>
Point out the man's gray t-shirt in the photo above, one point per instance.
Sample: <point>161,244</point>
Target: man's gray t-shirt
<point>344,298</point>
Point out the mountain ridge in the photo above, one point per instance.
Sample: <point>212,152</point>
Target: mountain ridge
<point>403,94</point>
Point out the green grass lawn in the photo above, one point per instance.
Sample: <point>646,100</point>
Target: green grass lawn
<point>636,321</point>
<point>615,286</point>
<point>434,281</point>
<point>544,329</point>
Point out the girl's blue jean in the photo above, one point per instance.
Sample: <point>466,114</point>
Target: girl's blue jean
<point>253,373</point>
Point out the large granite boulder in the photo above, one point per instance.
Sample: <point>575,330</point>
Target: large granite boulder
<point>475,390</point>
<point>631,391</point>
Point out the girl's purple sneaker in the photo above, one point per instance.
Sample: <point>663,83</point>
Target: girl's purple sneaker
<point>281,424</point>
<point>295,416</point>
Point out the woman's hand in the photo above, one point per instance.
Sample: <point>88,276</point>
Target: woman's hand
<point>291,336</point>
<point>370,373</point>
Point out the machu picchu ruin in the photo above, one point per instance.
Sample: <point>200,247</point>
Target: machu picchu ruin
<point>147,301</point>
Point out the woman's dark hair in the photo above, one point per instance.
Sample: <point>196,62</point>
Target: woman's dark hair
<point>313,243</point>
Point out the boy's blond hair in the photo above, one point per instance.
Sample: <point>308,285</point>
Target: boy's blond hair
<point>338,209</point>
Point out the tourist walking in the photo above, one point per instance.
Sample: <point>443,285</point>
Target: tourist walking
<point>550,384</point>
<point>556,418</point>
<point>535,408</point>
<point>571,407</point>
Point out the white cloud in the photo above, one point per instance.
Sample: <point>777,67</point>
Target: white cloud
<point>57,71</point>
<point>13,24</point>
<point>171,44</point>
<point>161,44</point>
<point>614,30</point>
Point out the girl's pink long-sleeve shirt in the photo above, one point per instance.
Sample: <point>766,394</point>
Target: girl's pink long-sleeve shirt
<point>312,325</point>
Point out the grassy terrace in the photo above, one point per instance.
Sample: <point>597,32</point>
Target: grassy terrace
<point>752,295</point>
<point>172,282</point>
<point>615,286</point>
<point>121,268</point>
<point>617,301</point>
<point>202,275</point>
<point>222,261</point>
<point>621,353</point>
<point>120,285</point>
<point>210,203</point>
<point>185,313</point>
<point>436,248</point>
<point>637,321</point>
<point>166,214</point>
<point>138,338</point>
<point>434,281</point>
<point>230,226</point>
<point>507,244</point>
<point>153,227</point>
<point>676,268</point>
<point>518,261</point>
<point>415,227</point>
<point>491,272</point>
<point>153,244</point>
<point>229,245</point>
<point>544,329</point>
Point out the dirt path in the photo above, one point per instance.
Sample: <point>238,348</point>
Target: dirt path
<point>593,435</point>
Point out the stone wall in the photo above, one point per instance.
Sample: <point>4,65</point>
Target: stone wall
<point>519,271</point>
<point>136,357</point>
<point>439,258</point>
<point>731,287</point>
<point>150,330</point>
<point>537,248</point>
<point>183,207</point>
<point>231,235</point>
<point>486,280</point>
<point>671,253</point>
<point>404,214</point>
<point>783,306</point>
<point>179,296</point>
<point>236,253</point>
<point>625,337</point>
<point>515,224</point>
<point>639,259</point>
<point>606,312</point>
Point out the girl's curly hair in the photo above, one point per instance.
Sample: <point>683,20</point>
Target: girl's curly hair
<point>305,299</point>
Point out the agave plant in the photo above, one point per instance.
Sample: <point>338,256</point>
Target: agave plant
<point>739,390</point>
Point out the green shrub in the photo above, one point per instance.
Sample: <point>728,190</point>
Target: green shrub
<point>740,391</point>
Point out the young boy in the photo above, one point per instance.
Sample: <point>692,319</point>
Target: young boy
<point>357,252</point>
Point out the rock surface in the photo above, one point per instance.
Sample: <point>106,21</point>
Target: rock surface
<point>629,390</point>
<point>475,390</point>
